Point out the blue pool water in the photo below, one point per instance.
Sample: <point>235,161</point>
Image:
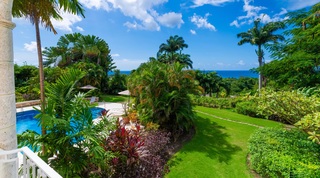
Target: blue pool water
<point>26,120</point>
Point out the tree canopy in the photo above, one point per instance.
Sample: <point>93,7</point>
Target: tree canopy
<point>297,58</point>
<point>171,52</point>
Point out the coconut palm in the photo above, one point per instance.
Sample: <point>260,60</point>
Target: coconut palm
<point>41,13</point>
<point>259,36</point>
<point>171,52</point>
<point>73,48</point>
<point>174,44</point>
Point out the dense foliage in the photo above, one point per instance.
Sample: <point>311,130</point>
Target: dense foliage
<point>86,52</point>
<point>116,82</point>
<point>137,153</point>
<point>282,153</point>
<point>72,139</point>
<point>212,83</point>
<point>162,95</point>
<point>213,102</point>
<point>289,107</point>
<point>242,85</point>
<point>311,125</point>
<point>300,50</point>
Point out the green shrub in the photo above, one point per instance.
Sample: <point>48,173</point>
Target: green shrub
<point>248,108</point>
<point>311,125</point>
<point>162,95</point>
<point>226,103</point>
<point>287,106</point>
<point>276,152</point>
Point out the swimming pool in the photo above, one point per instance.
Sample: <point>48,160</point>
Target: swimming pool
<point>26,120</point>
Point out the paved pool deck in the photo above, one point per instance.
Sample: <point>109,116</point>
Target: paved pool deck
<point>115,109</point>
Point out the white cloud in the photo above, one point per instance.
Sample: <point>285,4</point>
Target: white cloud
<point>241,63</point>
<point>171,19</point>
<point>298,4</point>
<point>32,46</point>
<point>235,23</point>
<point>97,4</point>
<point>128,64</point>
<point>142,11</point>
<point>198,3</point>
<point>193,32</point>
<point>253,12</point>
<point>67,22</point>
<point>135,25</point>
<point>115,55</point>
<point>79,29</point>
<point>202,22</point>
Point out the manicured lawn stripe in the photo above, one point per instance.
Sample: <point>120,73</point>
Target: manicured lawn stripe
<point>224,113</point>
<point>218,149</point>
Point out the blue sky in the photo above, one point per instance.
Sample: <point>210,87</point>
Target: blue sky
<point>134,29</point>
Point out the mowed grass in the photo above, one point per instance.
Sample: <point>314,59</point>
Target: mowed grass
<point>114,98</point>
<point>219,147</point>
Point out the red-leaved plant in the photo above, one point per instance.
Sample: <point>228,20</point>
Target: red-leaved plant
<point>139,153</point>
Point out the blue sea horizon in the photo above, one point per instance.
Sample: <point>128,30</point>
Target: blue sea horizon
<point>222,73</point>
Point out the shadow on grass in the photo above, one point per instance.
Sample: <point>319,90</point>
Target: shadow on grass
<point>211,139</point>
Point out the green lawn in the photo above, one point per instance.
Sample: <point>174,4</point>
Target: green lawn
<point>114,98</point>
<point>219,148</point>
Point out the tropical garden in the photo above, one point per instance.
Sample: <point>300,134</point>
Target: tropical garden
<point>189,123</point>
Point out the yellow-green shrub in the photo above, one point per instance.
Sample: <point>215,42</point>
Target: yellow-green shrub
<point>311,125</point>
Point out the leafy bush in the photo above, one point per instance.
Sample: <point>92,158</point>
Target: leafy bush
<point>248,108</point>
<point>288,106</point>
<point>276,152</point>
<point>162,95</point>
<point>311,125</point>
<point>310,91</point>
<point>138,153</point>
<point>215,102</point>
<point>72,137</point>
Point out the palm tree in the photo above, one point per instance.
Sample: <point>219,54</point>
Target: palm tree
<point>174,43</point>
<point>41,12</point>
<point>162,94</point>
<point>76,48</point>
<point>171,52</point>
<point>73,48</point>
<point>259,36</point>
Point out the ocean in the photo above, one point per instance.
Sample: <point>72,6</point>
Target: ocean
<point>222,73</point>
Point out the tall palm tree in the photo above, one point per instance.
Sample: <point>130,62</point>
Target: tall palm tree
<point>174,44</point>
<point>259,36</point>
<point>41,12</point>
<point>171,52</point>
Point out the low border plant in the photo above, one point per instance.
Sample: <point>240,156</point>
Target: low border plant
<point>276,152</point>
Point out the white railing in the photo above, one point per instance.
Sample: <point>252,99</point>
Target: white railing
<point>28,164</point>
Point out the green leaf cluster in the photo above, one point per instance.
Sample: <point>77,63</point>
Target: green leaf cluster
<point>289,106</point>
<point>311,125</point>
<point>276,152</point>
<point>72,140</point>
<point>297,60</point>
<point>162,94</point>
<point>226,103</point>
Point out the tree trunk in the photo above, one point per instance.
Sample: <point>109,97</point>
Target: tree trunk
<point>41,76</point>
<point>8,134</point>
<point>260,64</point>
